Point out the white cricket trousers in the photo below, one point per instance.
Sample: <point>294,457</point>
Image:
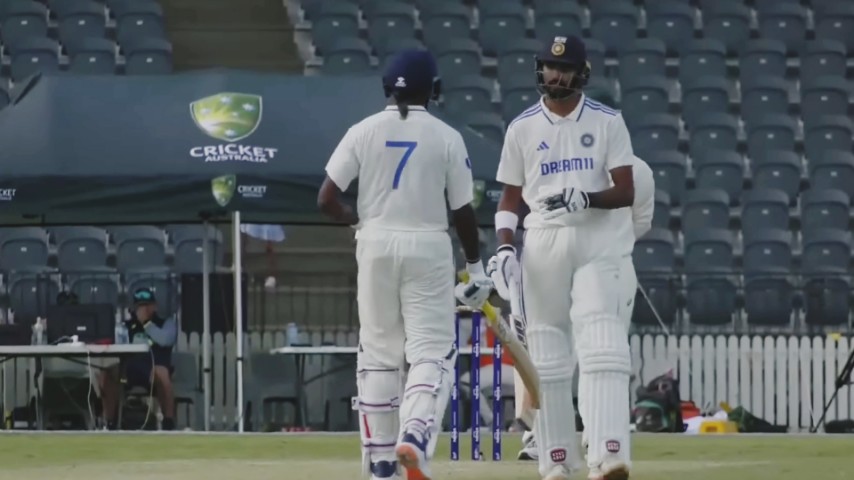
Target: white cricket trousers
<point>406,297</point>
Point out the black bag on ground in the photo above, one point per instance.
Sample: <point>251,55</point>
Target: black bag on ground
<point>658,407</point>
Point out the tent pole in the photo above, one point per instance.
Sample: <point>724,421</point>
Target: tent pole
<point>206,327</point>
<point>238,314</point>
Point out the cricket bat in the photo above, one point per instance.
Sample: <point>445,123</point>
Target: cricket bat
<point>513,338</point>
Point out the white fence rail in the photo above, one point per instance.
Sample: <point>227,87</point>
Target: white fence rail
<point>783,379</point>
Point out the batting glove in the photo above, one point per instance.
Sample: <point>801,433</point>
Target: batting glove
<point>503,269</point>
<point>569,200</point>
<point>476,291</point>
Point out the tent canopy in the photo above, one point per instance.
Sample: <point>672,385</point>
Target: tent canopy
<point>179,148</point>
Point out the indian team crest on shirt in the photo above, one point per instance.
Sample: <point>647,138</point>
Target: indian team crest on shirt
<point>559,46</point>
<point>587,140</point>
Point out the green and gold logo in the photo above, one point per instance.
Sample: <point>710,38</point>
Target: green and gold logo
<point>230,117</point>
<point>479,190</point>
<point>223,189</point>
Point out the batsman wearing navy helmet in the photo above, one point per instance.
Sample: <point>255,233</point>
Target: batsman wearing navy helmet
<point>409,164</point>
<point>570,159</point>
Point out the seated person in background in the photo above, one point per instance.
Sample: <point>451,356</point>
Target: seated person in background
<point>145,370</point>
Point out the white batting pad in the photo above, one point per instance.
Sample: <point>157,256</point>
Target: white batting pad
<point>425,399</point>
<point>378,403</point>
<point>555,422</point>
<point>604,366</point>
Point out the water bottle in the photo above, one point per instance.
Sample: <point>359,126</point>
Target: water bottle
<point>38,332</point>
<point>121,333</point>
<point>292,334</point>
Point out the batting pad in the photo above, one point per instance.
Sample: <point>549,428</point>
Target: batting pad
<point>425,399</point>
<point>555,422</point>
<point>603,391</point>
<point>378,403</point>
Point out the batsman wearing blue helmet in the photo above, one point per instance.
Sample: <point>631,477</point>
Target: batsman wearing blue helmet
<point>409,164</point>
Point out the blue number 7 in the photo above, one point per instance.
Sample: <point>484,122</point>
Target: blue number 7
<point>410,147</point>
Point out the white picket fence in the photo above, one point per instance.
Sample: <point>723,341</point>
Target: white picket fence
<point>785,380</point>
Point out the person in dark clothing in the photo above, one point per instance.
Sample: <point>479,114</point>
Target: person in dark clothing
<point>147,370</point>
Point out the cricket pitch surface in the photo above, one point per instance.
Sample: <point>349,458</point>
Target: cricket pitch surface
<point>311,456</point>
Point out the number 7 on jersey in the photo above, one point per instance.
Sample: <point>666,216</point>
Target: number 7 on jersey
<point>410,147</point>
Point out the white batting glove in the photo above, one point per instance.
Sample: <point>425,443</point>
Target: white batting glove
<point>555,204</point>
<point>503,269</point>
<point>476,291</point>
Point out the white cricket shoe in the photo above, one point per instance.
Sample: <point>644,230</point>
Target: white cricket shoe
<point>529,447</point>
<point>558,472</point>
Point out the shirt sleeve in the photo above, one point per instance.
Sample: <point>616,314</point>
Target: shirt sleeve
<point>511,167</point>
<point>620,152</point>
<point>343,165</point>
<point>644,206</point>
<point>164,336</point>
<point>459,181</point>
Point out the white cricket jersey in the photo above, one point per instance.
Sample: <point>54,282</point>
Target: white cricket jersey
<point>545,153</point>
<point>636,220</point>
<point>404,169</point>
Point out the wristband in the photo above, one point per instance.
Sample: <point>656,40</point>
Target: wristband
<point>506,219</point>
<point>475,268</point>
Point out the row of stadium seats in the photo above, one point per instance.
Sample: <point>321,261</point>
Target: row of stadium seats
<point>616,24</point>
<point>119,248</point>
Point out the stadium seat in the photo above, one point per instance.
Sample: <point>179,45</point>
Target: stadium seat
<point>93,56</point>
<point>273,379</point>
<point>334,20</point>
<point>823,57</point>
<point>720,170</point>
<point>828,133</point>
<point>34,55</point>
<point>763,96</point>
<point>161,281</point>
<point>827,250</point>
<point>834,170</point>
<point>824,209</point>
<point>139,19</point>
<point>710,294</point>
<point>445,20</point>
<point>601,90</point>
<point>762,58</point>
<point>387,50</point>
<point>705,209</point>
<point>148,56</point>
<point>32,292</point>
<point>518,58</point>
<point>655,132</point>
<point>557,19</point>
<point>713,131</point>
<point>81,248</point>
<point>771,132</point>
<point>347,56</point>
<point>669,169</point>
<point>502,24</point>
<point>81,20</point>
<point>655,261</point>
<point>768,293</point>
<point>824,96</point>
<point>824,260</point>
<point>786,22</point>
<point>139,247</point>
<point>764,5</point>
<point>823,8</point>
<point>390,20</point>
<point>645,57</point>
<point>764,209</point>
<point>614,24</point>
<point>661,214</point>
<point>95,286</point>
<point>489,125</point>
<point>643,96</point>
<point>22,21</point>
<point>189,245</point>
<point>466,94</point>
<point>703,96</point>
<point>23,248</point>
<point>702,58</point>
<point>518,94</point>
<point>728,22</point>
<point>779,170</point>
<point>673,23</point>
<point>595,56</point>
<point>837,23</point>
<point>458,57</point>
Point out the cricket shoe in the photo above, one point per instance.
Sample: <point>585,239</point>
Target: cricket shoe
<point>558,472</point>
<point>529,447</point>
<point>411,453</point>
<point>617,471</point>
<point>383,470</point>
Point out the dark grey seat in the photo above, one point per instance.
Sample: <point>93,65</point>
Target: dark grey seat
<point>834,170</point>
<point>764,209</point>
<point>771,132</point>
<point>720,170</point>
<point>669,169</point>
<point>824,209</point>
<point>827,133</point>
<point>705,209</point>
<point>778,169</point>
<point>713,131</point>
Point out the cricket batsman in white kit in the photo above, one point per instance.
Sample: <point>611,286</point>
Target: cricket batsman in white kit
<point>636,221</point>
<point>570,159</point>
<point>406,160</point>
